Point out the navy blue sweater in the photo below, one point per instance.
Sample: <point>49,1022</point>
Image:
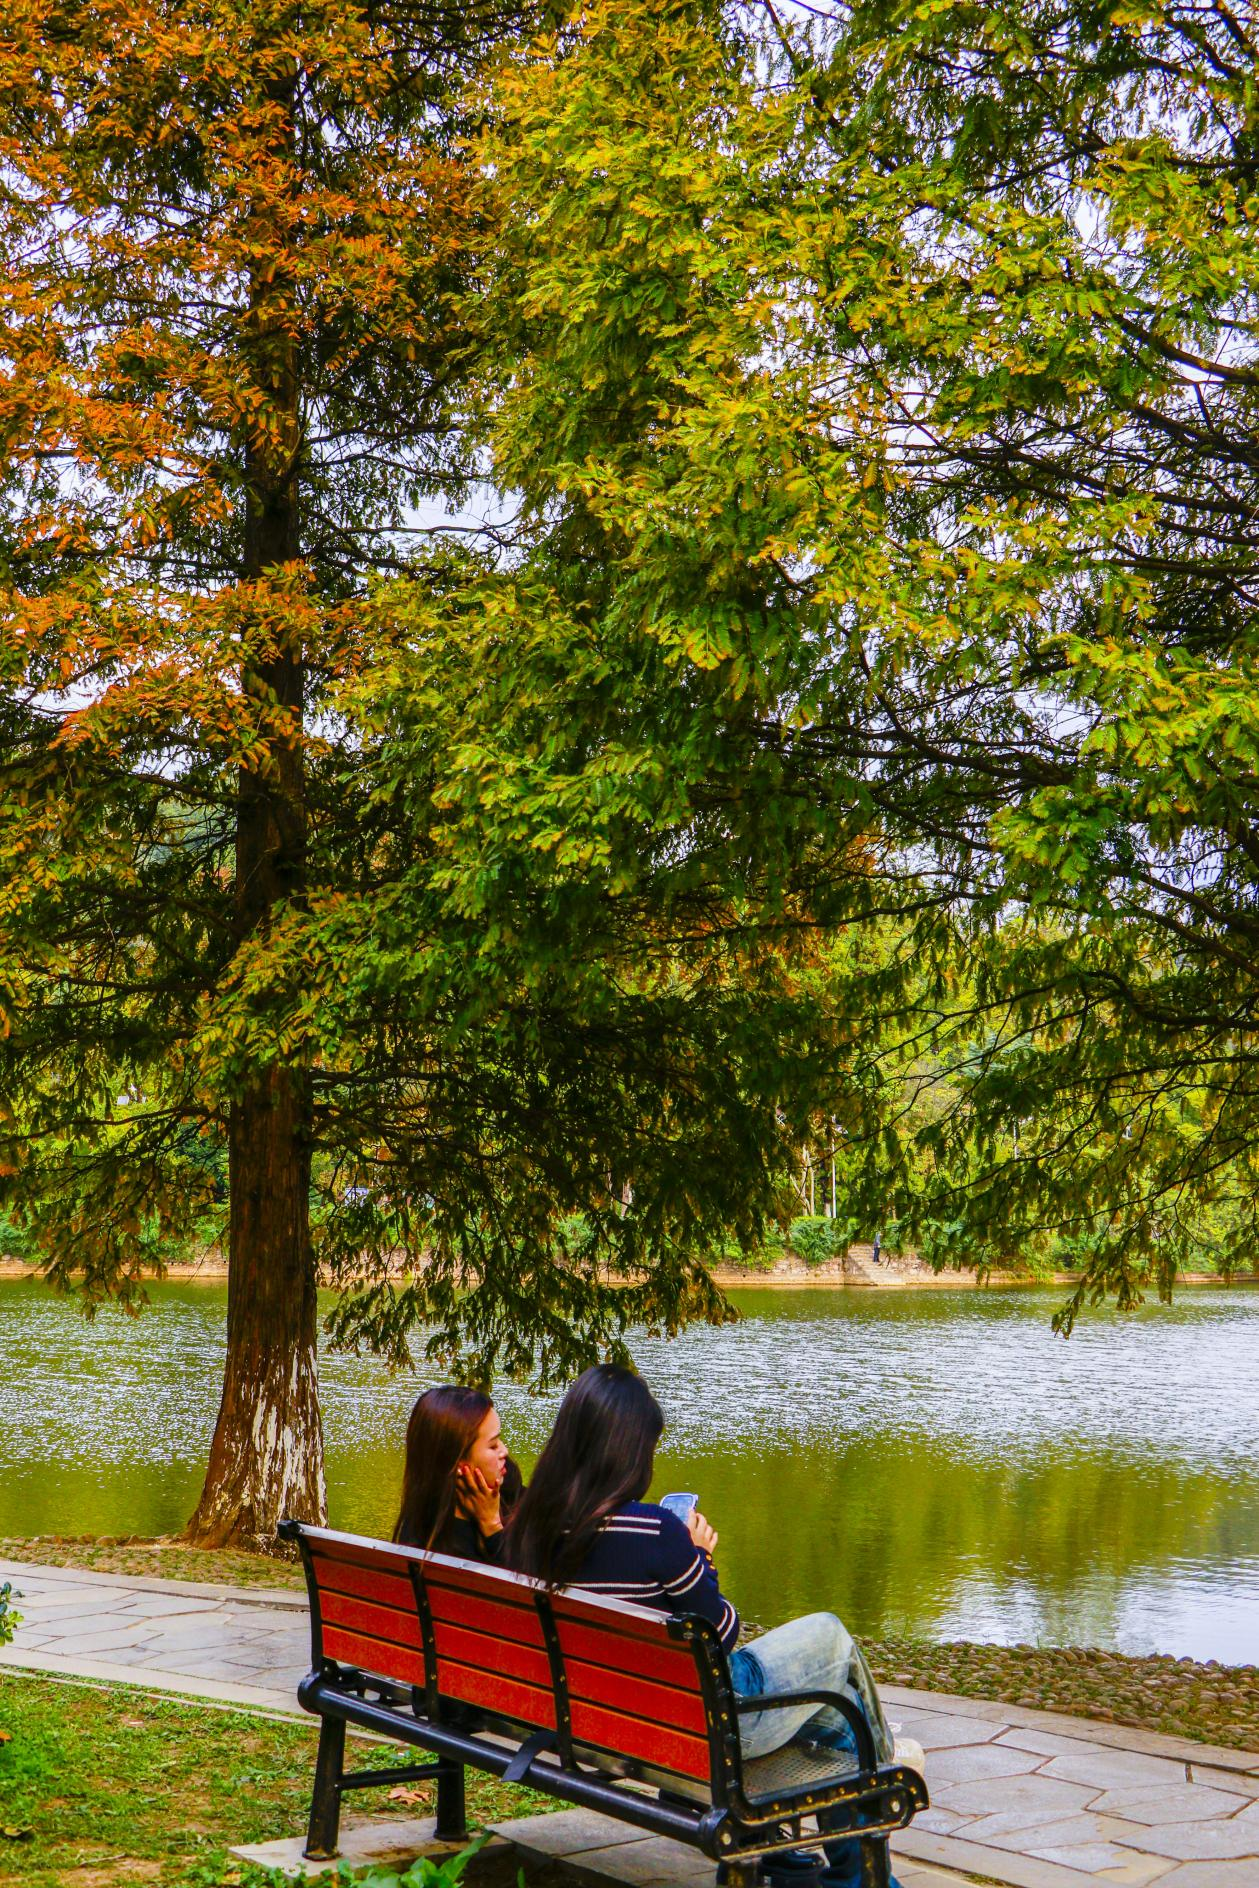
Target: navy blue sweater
<point>644,1554</point>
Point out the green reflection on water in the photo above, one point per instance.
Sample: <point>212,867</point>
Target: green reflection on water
<point>925,1462</point>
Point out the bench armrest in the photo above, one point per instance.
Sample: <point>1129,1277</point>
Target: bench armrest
<point>856,1717</point>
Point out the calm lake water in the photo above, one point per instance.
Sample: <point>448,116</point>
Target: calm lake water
<point>934,1463</point>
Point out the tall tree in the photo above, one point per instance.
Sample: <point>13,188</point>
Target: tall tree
<point>913,394</point>
<point>232,234</point>
<point>1063,358</point>
<point>480,926</point>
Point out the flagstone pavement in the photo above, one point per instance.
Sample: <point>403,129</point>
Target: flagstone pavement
<point>1019,1797</point>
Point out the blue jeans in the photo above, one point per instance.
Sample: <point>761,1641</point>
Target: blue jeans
<point>816,1653</point>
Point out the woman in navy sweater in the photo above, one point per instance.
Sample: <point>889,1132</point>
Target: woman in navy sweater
<point>583,1522</point>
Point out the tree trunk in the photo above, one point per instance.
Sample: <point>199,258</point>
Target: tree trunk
<point>266,1459</point>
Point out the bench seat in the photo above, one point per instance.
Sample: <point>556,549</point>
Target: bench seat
<point>615,1707</point>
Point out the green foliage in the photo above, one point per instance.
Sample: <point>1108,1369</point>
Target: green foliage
<point>757,1258</point>
<point>10,1620</point>
<point>15,1241</point>
<point>475,884</point>
<point>856,722</point>
<point>426,1871</point>
<point>903,415</point>
<point>815,1239</point>
<point>1062,654</point>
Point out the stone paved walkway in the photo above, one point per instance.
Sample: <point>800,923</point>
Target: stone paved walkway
<point>1024,1798</point>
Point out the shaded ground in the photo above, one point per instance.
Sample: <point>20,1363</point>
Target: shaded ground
<point>104,1788</point>
<point>1212,1703</point>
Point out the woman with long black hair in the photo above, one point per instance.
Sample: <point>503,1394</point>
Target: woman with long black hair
<point>458,1479</point>
<point>583,1521</point>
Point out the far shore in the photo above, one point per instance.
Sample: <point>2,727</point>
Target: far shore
<point>948,1281</point>
<point>895,1277</point>
<point>858,1270</point>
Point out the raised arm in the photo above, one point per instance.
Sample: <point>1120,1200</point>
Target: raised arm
<point>689,1577</point>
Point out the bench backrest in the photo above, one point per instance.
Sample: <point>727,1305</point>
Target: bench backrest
<point>601,1674</point>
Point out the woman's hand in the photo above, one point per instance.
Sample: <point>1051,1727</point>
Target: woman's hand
<point>478,1499</point>
<point>705,1537</point>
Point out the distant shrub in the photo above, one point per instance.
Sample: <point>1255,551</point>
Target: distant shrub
<point>15,1241</point>
<point>748,1259</point>
<point>816,1239</point>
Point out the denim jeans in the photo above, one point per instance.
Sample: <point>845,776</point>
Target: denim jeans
<point>816,1653</point>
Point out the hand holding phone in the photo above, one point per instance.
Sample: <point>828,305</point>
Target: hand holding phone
<point>704,1536</point>
<point>686,1507</point>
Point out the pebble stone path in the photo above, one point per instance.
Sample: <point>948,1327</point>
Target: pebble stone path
<point>1023,1798</point>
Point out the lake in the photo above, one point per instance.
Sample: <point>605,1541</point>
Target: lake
<point>933,1463</point>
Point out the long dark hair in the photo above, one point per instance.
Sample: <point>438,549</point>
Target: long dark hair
<point>598,1456</point>
<point>442,1429</point>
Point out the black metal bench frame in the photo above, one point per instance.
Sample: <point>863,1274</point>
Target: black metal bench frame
<point>735,1829</point>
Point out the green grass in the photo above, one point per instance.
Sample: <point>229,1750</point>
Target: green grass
<point>105,1787</point>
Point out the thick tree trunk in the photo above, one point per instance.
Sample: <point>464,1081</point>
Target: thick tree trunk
<point>266,1459</point>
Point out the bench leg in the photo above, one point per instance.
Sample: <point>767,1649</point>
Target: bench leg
<point>323,1834</point>
<point>452,1814</point>
<point>876,1862</point>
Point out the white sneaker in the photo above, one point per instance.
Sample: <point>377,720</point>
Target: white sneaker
<point>908,1751</point>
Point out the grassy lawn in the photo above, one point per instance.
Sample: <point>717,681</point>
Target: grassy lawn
<point>104,1787</point>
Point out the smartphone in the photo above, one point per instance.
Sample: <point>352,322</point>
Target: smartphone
<point>682,1505</point>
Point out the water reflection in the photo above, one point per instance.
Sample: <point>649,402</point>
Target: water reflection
<point>927,1462</point>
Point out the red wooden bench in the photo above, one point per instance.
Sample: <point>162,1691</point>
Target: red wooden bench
<point>585,1699</point>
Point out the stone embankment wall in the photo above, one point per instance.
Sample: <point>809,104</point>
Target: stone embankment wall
<point>858,1266</point>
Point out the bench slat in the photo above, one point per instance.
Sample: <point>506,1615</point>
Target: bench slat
<point>489,1582</point>
<point>619,1616</point>
<point>671,1663</point>
<point>622,1735</point>
<point>381,1622</point>
<point>520,1623</point>
<point>492,1655</point>
<point>506,1696</point>
<point>660,1704</point>
<point>378,1555</point>
<point>373,1655</point>
<point>343,1576</point>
